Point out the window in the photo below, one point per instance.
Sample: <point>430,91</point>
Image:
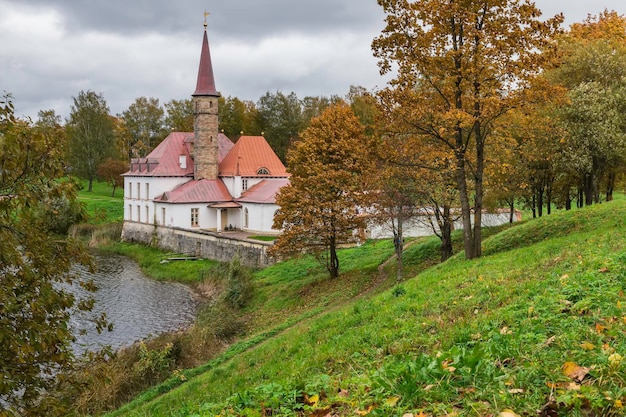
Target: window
<point>139,213</point>
<point>263,171</point>
<point>147,191</point>
<point>163,216</point>
<point>194,217</point>
<point>246,218</point>
<point>130,190</point>
<point>147,214</point>
<point>138,190</point>
<point>244,184</point>
<point>130,212</point>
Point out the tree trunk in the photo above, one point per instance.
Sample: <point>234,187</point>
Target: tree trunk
<point>446,234</point>
<point>511,211</point>
<point>398,243</point>
<point>113,193</point>
<point>466,212</point>
<point>609,186</point>
<point>90,188</point>
<point>333,266</point>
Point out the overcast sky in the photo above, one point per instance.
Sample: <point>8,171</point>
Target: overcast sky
<point>50,50</point>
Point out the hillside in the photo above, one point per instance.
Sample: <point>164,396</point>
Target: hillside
<point>535,327</point>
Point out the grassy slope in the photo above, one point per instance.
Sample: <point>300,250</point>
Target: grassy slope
<point>538,323</point>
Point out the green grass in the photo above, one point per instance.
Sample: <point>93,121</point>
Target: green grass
<point>101,207</point>
<point>263,238</point>
<point>466,338</point>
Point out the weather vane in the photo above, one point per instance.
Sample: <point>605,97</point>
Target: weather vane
<point>206,14</point>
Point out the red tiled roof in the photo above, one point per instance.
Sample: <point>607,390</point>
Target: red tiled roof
<point>248,156</point>
<point>164,160</point>
<point>264,192</point>
<point>206,83</point>
<point>224,145</point>
<point>197,191</point>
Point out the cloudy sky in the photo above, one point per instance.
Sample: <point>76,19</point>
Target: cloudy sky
<point>50,50</point>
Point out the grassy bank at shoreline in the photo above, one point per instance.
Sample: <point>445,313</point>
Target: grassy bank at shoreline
<point>534,327</point>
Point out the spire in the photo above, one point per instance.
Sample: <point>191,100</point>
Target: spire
<point>206,84</point>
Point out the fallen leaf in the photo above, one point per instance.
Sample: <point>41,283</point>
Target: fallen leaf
<point>603,270</point>
<point>516,391</point>
<point>505,330</point>
<point>572,386</point>
<point>575,371</point>
<point>600,328</point>
<point>313,400</point>
<point>508,413</point>
<point>587,346</point>
<point>618,404</point>
<point>343,393</point>
<point>392,401</point>
<point>364,412</point>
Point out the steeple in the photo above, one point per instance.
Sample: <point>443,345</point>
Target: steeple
<point>206,83</point>
<point>206,122</point>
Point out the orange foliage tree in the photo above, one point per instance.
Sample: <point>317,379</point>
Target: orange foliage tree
<point>319,209</point>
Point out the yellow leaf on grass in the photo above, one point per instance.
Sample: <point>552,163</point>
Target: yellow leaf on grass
<point>587,346</point>
<point>508,413</point>
<point>600,328</point>
<point>392,401</point>
<point>575,371</point>
<point>313,400</point>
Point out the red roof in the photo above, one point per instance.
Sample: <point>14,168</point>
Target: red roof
<point>264,192</point>
<point>251,157</point>
<point>197,191</point>
<point>164,160</point>
<point>206,83</point>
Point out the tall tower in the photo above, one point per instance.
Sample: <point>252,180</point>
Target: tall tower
<point>205,105</point>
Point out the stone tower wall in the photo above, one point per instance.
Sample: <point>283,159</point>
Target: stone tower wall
<point>206,163</point>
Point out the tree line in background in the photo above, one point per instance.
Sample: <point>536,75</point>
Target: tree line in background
<point>100,146</point>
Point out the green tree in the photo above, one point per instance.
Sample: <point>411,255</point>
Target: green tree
<point>144,121</point>
<point>237,116</point>
<point>179,116</point>
<point>34,308</point>
<point>90,135</point>
<point>459,67</point>
<point>319,209</point>
<point>280,117</point>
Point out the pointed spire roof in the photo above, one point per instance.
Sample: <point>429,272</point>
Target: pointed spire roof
<point>206,84</point>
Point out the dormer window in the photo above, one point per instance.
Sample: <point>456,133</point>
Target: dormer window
<point>263,171</point>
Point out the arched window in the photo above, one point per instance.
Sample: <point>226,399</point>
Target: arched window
<point>246,218</point>
<point>263,171</point>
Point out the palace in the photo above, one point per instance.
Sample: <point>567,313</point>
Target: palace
<point>201,180</point>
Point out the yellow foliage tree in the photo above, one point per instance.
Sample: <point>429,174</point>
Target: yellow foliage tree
<point>459,67</point>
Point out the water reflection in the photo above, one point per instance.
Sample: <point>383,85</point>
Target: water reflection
<point>137,306</point>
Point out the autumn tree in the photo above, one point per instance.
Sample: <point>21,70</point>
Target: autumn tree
<point>111,171</point>
<point>459,67</point>
<point>34,309</point>
<point>319,209</point>
<point>90,135</point>
<point>144,120</point>
<point>179,115</point>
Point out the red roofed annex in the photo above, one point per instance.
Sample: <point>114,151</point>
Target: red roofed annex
<point>201,180</point>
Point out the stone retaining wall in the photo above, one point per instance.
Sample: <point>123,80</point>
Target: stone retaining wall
<point>204,244</point>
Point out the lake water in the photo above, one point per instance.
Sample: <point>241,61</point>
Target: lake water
<point>138,306</point>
